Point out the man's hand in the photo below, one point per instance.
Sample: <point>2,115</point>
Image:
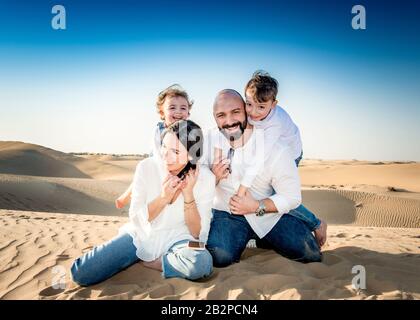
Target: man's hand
<point>243,205</point>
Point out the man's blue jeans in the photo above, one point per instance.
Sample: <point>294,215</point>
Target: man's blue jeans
<point>290,237</point>
<point>106,260</point>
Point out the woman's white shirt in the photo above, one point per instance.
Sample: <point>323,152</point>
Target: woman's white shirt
<point>153,239</point>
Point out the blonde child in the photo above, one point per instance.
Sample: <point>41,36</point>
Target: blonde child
<point>173,104</point>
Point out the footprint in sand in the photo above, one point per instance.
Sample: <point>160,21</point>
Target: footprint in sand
<point>50,292</point>
<point>86,293</point>
<point>87,248</point>
<point>340,235</point>
<point>63,257</point>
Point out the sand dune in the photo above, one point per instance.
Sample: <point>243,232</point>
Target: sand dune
<point>363,209</point>
<point>55,206</point>
<point>88,196</point>
<point>399,175</point>
<point>32,244</point>
<point>34,160</point>
<point>64,195</point>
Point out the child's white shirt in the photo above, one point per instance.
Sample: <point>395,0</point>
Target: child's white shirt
<point>277,126</point>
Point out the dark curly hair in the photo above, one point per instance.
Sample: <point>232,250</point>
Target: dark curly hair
<point>190,135</point>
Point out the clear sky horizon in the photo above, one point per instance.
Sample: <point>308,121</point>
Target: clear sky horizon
<point>354,94</point>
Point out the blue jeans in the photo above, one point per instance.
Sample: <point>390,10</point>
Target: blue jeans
<point>106,260</point>
<point>303,213</point>
<point>297,160</point>
<point>290,237</point>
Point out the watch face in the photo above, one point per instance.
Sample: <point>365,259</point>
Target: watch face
<point>261,209</point>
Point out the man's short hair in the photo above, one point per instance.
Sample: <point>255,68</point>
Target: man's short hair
<point>231,92</point>
<point>262,87</point>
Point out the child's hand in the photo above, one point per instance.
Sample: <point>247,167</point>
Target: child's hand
<point>243,205</point>
<point>220,166</point>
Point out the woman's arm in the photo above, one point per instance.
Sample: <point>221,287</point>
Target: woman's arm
<point>156,206</point>
<point>169,188</point>
<point>191,214</point>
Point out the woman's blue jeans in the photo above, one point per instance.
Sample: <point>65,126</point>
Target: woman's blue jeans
<point>119,253</point>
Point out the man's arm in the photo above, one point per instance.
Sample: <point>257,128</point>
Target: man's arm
<point>247,204</point>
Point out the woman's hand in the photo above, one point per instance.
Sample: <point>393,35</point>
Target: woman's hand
<point>170,186</point>
<point>189,182</point>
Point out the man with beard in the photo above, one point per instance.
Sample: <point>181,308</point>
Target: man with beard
<point>265,212</point>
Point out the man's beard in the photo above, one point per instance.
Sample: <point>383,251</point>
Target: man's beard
<point>234,136</point>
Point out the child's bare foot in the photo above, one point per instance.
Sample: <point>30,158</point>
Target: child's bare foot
<point>321,233</point>
<point>155,264</point>
<point>119,204</point>
<point>123,199</point>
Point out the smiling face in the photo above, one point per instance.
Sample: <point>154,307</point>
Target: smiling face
<point>174,154</point>
<point>173,109</point>
<point>258,111</point>
<point>230,116</point>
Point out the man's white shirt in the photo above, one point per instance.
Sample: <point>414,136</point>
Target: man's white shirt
<point>277,179</point>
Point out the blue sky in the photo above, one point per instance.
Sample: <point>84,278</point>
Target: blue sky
<point>353,93</point>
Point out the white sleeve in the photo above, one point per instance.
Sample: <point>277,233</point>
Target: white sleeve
<point>272,136</point>
<point>285,182</point>
<point>139,211</point>
<point>156,142</point>
<point>204,200</point>
<point>256,161</point>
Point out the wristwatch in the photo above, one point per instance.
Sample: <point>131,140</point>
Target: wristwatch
<point>261,209</point>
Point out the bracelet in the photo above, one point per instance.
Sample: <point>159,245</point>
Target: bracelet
<point>189,202</point>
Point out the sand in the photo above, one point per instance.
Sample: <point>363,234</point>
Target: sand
<point>55,206</point>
